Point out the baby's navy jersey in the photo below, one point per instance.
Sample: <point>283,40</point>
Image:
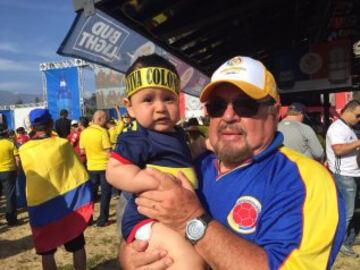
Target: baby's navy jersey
<point>282,201</point>
<point>165,151</point>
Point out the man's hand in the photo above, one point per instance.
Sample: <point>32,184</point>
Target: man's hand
<point>173,203</point>
<point>134,256</point>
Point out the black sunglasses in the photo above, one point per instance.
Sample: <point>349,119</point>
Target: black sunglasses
<point>357,115</point>
<point>242,107</point>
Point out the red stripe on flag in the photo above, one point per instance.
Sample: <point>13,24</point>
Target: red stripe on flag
<point>55,234</point>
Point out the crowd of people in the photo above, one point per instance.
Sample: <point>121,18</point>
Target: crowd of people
<point>243,190</point>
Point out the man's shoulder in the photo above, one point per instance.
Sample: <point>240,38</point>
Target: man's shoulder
<point>49,141</point>
<point>305,166</point>
<point>337,124</point>
<point>306,127</point>
<point>288,125</point>
<point>88,133</point>
<point>6,142</point>
<point>63,120</point>
<point>338,128</point>
<point>95,129</point>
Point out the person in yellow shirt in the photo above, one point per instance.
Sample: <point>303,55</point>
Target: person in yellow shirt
<point>115,127</point>
<point>9,162</point>
<point>95,144</point>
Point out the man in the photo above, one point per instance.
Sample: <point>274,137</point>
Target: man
<point>263,206</point>
<point>9,161</point>
<point>342,148</point>
<point>58,193</point>
<point>63,125</point>
<point>21,136</point>
<point>115,127</point>
<point>74,139</point>
<point>299,136</point>
<point>95,144</point>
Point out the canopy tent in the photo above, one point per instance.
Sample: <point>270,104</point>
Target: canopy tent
<point>306,44</point>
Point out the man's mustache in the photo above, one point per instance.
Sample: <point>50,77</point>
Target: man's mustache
<point>231,127</point>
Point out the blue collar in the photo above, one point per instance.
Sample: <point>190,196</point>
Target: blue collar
<point>275,144</point>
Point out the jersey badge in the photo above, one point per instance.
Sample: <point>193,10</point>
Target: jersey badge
<point>244,215</point>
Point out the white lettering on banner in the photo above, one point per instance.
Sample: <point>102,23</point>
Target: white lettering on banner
<point>100,45</point>
<point>115,37</point>
<point>105,31</point>
<point>102,40</point>
<point>94,43</point>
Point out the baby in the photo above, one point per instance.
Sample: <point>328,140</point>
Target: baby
<point>152,140</point>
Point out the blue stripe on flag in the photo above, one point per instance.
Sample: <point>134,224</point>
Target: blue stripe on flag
<point>60,206</point>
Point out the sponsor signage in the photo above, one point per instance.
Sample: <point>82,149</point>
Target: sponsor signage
<point>103,40</point>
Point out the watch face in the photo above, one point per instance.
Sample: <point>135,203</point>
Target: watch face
<point>195,229</point>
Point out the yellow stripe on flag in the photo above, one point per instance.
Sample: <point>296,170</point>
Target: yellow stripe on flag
<point>51,167</point>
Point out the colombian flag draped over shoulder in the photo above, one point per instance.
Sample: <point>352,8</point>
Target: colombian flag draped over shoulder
<point>58,192</point>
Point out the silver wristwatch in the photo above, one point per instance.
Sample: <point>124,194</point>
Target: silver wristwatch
<point>196,228</point>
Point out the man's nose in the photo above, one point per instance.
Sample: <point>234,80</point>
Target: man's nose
<point>229,113</point>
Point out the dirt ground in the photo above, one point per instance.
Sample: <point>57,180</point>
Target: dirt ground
<point>16,251</point>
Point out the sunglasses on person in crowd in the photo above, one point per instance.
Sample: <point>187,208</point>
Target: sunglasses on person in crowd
<point>242,107</point>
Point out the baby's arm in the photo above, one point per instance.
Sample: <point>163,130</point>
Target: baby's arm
<point>129,177</point>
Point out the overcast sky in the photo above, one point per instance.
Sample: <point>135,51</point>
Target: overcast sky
<point>30,33</point>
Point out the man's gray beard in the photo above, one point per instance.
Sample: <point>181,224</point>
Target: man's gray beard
<point>230,155</point>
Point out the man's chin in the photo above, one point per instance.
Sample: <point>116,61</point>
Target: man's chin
<point>230,155</point>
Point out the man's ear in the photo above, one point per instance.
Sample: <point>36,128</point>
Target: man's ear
<point>275,110</point>
<point>129,108</point>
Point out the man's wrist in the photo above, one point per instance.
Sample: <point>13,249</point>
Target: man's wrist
<point>196,228</point>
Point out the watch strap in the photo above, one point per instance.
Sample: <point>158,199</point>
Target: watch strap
<point>206,218</point>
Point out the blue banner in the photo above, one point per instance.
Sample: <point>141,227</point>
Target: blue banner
<point>7,116</point>
<point>103,40</point>
<point>63,92</point>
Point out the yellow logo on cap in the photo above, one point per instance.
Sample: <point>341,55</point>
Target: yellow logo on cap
<point>234,61</point>
<point>152,77</point>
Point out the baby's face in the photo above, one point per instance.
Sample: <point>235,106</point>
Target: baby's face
<point>155,108</point>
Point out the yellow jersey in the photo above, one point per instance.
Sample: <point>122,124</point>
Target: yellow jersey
<point>115,131</point>
<point>8,151</point>
<point>95,142</point>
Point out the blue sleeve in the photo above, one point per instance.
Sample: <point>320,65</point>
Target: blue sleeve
<point>130,218</point>
<point>281,225</point>
<point>134,147</point>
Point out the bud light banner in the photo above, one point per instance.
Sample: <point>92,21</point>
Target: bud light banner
<point>103,40</point>
<point>63,92</point>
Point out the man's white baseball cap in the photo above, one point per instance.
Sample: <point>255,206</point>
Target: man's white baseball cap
<point>74,122</point>
<point>245,73</point>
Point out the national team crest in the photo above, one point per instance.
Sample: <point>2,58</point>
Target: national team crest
<point>235,61</point>
<point>244,215</point>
